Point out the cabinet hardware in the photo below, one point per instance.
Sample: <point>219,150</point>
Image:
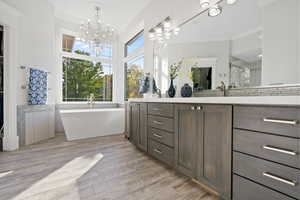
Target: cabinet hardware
<point>199,107</point>
<point>193,108</point>
<point>280,179</point>
<point>280,150</point>
<point>158,151</point>
<point>280,121</point>
<point>156,135</point>
<point>157,122</point>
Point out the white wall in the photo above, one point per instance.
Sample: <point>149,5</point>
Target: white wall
<point>247,43</point>
<point>280,59</point>
<point>36,41</point>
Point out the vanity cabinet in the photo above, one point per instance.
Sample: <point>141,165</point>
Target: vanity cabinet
<point>187,131</point>
<point>266,146</point>
<point>138,125</point>
<point>214,148</point>
<point>203,144</point>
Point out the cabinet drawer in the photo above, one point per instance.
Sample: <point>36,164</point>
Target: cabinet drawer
<point>160,109</point>
<point>161,136</point>
<point>161,152</point>
<point>276,120</point>
<point>271,147</point>
<point>162,123</point>
<point>275,176</point>
<point>244,189</point>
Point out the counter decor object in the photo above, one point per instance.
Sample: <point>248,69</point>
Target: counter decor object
<point>173,72</point>
<point>186,90</point>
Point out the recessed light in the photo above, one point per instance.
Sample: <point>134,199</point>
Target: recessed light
<point>214,11</point>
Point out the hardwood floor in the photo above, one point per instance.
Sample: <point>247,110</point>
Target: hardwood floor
<point>105,168</point>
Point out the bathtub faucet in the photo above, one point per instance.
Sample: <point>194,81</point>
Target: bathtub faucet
<point>91,99</point>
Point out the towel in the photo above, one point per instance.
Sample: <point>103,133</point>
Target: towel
<point>38,87</point>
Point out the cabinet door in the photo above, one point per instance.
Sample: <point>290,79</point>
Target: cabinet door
<point>134,122</point>
<point>214,163</point>
<point>142,133</point>
<point>185,139</point>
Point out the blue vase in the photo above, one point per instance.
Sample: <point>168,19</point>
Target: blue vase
<point>172,90</point>
<point>186,90</point>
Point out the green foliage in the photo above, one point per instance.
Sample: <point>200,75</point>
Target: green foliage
<point>134,76</point>
<point>83,77</point>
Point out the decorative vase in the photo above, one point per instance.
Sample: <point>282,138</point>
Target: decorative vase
<point>172,90</point>
<point>186,90</point>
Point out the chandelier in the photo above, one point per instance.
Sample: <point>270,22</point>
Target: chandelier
<point>96,34</point>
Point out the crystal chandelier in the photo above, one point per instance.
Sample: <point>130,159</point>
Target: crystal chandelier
<point>96,34</point>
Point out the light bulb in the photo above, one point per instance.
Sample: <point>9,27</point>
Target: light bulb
<point>214,11</point>
<point>204,3</point>
<point>230,2</point>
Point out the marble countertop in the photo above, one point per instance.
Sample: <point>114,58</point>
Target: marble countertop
<point>253,100</point>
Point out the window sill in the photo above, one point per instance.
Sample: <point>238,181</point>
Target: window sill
<point>85,102</point>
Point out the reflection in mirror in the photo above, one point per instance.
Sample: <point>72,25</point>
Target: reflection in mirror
<point>252,43</point>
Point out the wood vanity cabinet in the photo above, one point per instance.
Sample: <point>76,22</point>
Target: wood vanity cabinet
<point>214,148</point>
<point>203,144</point>
<point>138,125</point>
<point>194,139</point>
<point>186,134</point>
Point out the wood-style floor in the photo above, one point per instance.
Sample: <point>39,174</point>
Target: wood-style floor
<point>105,168</point>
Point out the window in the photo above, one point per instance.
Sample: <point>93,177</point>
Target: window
<point>85,74</point>
<point>134,65</point>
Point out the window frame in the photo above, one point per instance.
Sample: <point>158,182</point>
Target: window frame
<point>127,58</point>
<point>70,55</point>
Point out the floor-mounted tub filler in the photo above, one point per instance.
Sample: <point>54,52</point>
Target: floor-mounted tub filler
<point>88,123</point>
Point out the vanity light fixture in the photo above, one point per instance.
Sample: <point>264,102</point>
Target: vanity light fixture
<point>204,3</point>
<point>214,10</point>
<point>163,31</point>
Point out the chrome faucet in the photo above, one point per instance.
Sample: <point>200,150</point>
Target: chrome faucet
<point>91,99</point>
<point>222,87</point>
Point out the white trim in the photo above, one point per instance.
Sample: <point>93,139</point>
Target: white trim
<point>134,55</point>
<point>9,19</point>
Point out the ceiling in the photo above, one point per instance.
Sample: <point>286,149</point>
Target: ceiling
<point>117,13</point>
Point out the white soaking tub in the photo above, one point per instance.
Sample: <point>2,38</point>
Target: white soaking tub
<point>88,123</point>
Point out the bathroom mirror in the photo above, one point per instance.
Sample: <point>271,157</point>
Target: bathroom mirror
<point>252,43</point>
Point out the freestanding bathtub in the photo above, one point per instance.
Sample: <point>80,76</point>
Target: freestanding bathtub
<point>88,123</point>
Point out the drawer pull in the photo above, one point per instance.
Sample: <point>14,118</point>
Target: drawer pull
<point>158,151</point>
<point>193,108</point>
<point>280,150</point>
<point>157,135</point>
<point>280,179</point>
<point>157,122</point>
<point>280,121</point>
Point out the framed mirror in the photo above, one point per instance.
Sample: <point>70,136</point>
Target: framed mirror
<point>250,44</point>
